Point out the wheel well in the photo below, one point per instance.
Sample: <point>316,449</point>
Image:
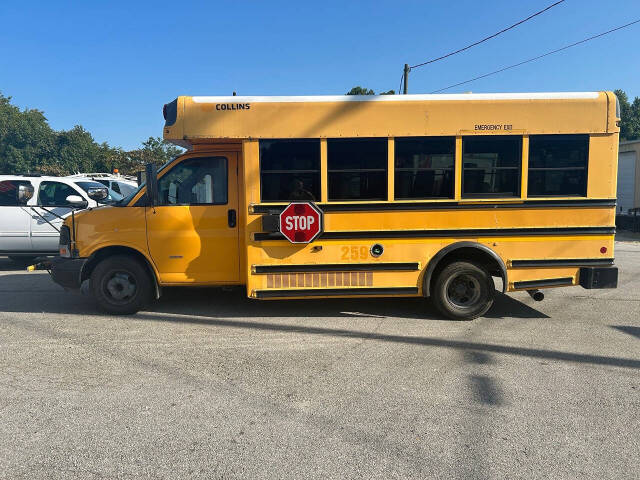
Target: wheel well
<point>469,252</point>
<point>99,255</point>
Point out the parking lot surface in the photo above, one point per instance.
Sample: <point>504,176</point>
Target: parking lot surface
<point>210,384</point>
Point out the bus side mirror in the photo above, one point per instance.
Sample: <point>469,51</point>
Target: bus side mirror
<point>151,177</point>
<point>25,193</point>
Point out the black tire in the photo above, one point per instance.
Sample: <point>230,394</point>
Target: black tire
<point>463,291</point>
<point>121,285</point>
<point>22,260</point>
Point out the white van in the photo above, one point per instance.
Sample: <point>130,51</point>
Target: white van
<point>122,184</point>
<point>32,209</point>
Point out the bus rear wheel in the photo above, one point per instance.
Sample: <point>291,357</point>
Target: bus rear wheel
<point>463,291</point>
<point>121,285</point>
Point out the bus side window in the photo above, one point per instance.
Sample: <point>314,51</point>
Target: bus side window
<point>424,167</point>
<point>558,165</point>
<point>289,170</point>
<point>357,168</point>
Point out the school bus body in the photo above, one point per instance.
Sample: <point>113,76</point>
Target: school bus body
<point>528,241</point>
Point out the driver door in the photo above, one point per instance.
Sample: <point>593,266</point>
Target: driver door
<point>193,234</point>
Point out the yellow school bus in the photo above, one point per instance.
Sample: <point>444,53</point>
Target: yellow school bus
<point>411,195</point>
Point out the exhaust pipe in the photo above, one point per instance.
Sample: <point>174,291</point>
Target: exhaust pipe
<point>537,295</point>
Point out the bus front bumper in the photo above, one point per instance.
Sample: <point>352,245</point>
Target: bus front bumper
<point>598,277</point>
<point>67,272</point>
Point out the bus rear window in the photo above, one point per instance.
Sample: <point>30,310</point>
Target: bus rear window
<point>558,165</point>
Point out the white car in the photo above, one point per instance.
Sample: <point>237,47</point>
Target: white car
<point>32,209</point>
<point>124,185</point>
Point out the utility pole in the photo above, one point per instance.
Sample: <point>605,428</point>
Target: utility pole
<point>406,77</point>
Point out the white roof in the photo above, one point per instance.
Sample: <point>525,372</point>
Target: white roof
<point>400,98</point>
<point>45,178</point>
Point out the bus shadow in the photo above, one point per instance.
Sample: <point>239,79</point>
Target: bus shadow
<point>487,391</point>
<point>234,303</point>
<point>36,292</point>
<point>8,265</point>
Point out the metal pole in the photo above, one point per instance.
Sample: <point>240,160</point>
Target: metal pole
<point>406,77</point>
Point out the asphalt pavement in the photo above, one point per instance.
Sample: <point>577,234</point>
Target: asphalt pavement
<point>209,384</point>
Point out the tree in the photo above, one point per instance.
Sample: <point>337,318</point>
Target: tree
<point>77,151</point>
<point>26,140</point>
<point>629,116</point>
<point>154,150</point>
<point>367,91</point>
<point>360,91</point>
<point>29,145</point>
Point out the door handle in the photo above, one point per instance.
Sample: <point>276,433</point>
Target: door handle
<point>231,218</point>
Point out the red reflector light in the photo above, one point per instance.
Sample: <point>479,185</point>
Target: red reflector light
<point>603,250</point>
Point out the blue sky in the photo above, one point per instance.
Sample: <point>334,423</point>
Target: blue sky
<point>110,66</point>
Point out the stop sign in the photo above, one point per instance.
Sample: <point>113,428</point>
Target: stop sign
<point>301,222</point>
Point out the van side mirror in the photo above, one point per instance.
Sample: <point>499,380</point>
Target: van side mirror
<point>151,177</point>
<point>76,201</point>
<point>25,193</point>
<point>96,193</point>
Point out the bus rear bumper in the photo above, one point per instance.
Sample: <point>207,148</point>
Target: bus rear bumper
<point>598,277</point>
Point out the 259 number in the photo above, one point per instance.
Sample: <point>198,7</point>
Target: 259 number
<point>355,253</point>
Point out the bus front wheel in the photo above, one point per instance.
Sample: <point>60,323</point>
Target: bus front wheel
<point>121,285</point>
<point>463,291</point>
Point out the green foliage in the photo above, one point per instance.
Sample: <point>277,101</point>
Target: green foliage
<point>29,145</point>
<point>367,91</point>
<point>629,116</point>
<point>360,91</point>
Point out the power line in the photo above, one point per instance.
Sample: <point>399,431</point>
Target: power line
<point>538,57</point>
<point>407,70</point>
<point>487,38</point>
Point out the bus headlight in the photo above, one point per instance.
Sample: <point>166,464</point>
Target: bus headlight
<point>64,245</point>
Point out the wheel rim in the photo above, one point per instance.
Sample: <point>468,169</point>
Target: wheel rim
<point>119,287</point>
<point>463,290</point>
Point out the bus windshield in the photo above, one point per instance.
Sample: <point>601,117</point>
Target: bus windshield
<point>125,201</point>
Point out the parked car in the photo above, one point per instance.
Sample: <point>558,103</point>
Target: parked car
<point>32,209</point>
<point>122,184</point>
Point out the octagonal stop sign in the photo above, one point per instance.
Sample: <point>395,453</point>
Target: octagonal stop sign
<point>301,222</point>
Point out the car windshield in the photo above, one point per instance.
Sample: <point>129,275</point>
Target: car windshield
<point>126,189</point>
<point>112,197</point>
